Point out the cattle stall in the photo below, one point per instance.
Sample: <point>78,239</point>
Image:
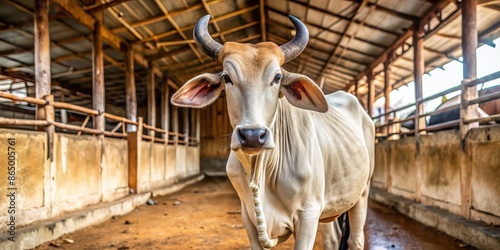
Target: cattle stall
<point>92,141</point>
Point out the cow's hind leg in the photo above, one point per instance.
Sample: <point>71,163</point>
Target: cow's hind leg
<point>330,233</point>
<point>252,233</point>
<point>357,219</point>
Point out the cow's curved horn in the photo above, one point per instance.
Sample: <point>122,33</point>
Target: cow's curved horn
<point>204,40</point>
<point>294,47</point>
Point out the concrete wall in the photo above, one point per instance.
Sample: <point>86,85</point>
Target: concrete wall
<point>85,170</point>
<point>463,182</point>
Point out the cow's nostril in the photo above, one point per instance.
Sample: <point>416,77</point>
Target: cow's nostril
<point>262,135</point>
<point>252,137</point>
<point>242,135</point>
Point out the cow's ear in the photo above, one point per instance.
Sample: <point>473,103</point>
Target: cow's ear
<point>199,91</point>
<point>302,92</point>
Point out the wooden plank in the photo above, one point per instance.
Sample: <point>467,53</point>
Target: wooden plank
<point>130,93</point>
<point>42,55</point>
<point>98,92</point>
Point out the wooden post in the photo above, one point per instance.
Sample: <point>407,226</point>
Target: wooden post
<point>165,103</point>
<point>49,117</point>
<point>371,92</point>
<point>175,120</point>
<point>387,96</point>
<point>186,125</point>
<point>418,71</point>
<point>42,55</point>
<point>63,112</point>
<point>134,139</point>
<point>98,94</point>
<point>130,95</point>
<point>469,46</point>
<point>356,88</point>
<point>198,127</point>
<point>151,98</point>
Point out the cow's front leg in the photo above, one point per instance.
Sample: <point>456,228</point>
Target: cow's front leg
<point>306,225</point>
<point>331,234</point>
<point>252,233</point>
<point>357,219</point>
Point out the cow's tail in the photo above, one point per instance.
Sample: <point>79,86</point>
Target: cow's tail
<point>343,221</point>
<point>264,239</point>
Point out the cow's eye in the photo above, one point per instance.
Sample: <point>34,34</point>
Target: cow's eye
<point>227,79</point>
<point>277,78</point>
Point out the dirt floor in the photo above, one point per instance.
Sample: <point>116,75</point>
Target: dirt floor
<point>206,215</point>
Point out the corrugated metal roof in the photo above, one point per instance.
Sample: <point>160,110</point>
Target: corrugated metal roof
<point>161,30</point>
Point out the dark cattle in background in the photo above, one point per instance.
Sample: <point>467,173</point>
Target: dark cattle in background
<point>490,108</point>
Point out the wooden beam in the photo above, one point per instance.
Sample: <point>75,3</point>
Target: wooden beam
<point>334,56</point>
<point>441,4</point>
<point>335,15</point>
<point>272,22</point>
<point>42,55</point>
<point>393,12</point>
<point>190,27</point>
<point>109,37</point>
<point>130,93</point>
<point>217,28</point>
<point>171,53</point>
<point>330,31</point>
<point>98,92</point>
<point>177,28</point>
<point>101,6</point>
<point>162,17</point>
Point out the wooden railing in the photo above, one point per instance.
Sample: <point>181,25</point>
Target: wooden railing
<point>390,123</point>
<point>121,122</point>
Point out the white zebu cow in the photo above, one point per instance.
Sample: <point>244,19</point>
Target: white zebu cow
<point>294,161</point>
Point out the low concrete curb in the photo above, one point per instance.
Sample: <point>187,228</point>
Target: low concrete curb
<point>34,235</point>
<point>474,233</point>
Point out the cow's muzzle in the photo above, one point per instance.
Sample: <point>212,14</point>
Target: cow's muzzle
<point>251,140</point>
